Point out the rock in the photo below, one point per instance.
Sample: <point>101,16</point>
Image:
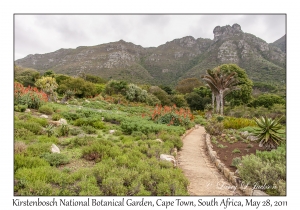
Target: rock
<point>44,116</point>
<point>245,134</point>
<point>54,149</point>
<point>63,121</point>
<point>112,131</point>
<point>169,158</point>
<point>58,101</point>
<point>252,138</point>
<point>236,173</point>
<point>223,135</point>
<point>159,140</point>
<point>87,101</point>
<point>27,110</point>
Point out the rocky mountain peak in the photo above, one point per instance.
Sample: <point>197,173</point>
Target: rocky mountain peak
<point>226,31</point>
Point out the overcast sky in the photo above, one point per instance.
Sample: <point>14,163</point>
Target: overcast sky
<point>47,33</point>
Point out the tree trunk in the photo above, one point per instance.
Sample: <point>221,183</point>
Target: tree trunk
<point>221,102</point>
<point>218,104</point>
<point>213,101</point>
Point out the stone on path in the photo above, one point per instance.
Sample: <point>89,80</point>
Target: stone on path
<point>44,116</point>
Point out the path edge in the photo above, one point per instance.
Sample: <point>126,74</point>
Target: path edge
<point>236,181</point>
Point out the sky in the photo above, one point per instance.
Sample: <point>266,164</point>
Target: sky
<point>39,34</point>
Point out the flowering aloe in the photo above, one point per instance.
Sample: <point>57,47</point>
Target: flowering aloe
<point>268,131</point>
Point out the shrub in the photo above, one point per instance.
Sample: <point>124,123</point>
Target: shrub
<point>55,159</point>
<point>29,96</point>
<point>31,126</point>
<point>49,130</point>
<point>19,147</point>
<point>237,123</point>
<point>89,129</point>
<point>75,131</point>
<point>45,139</point>
<point>236,151</point>
<point>23,134</point>
<point>38,149</point>
<point>21,161</point>
<point>255,170</point>
<point>56,117</point>
<point>45,109</point>
<point>236,161</point>
<point>214,128</point>
<point>42,121</point>
<point>64,130</point>
<point>20,108</point>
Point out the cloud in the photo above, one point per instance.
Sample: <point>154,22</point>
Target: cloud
<point>47,33</point>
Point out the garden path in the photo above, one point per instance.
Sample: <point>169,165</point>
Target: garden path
<point>204,177</point>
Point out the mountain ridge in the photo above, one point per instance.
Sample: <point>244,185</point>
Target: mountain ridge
<point>166,64</point>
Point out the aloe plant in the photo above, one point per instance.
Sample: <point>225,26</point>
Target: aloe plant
<point>268,131</point>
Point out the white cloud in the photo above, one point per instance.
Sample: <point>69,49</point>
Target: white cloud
<point>47,33</point>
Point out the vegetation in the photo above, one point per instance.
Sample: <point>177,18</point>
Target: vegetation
<point>268,132</point>
<point>116,131</point>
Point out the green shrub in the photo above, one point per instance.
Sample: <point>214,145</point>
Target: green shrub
<point>88,187</point>
<point>20,108</point>
<point>21,161</point>
<point>89,129</point>
<point>55,159</point>
<point>236,161</point>
<point>42,121</point>
<point>200,120</point>
<point>56,117</point>
<point>64,130</point>
<point>75,131</point>
<point>237,123</point>
<point>236,151</point>
<point>81,141</point>
<point>23,134</point>
<point>214,128</point>
<point>46,109</point>
<point>38,149</point>
<point>31,126</point>
<point>255,170</point>
<point>46,139</point>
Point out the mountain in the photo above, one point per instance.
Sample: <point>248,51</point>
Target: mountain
<point>170,62</point>
<point>280,43</point>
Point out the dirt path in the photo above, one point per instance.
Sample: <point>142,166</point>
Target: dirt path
<point>204,177</point>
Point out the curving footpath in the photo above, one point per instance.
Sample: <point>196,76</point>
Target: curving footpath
<point>204,177</point>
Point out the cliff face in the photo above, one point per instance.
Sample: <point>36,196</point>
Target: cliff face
<point>167,63</point>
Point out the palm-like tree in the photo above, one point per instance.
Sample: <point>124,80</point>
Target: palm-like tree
<point>221,84</point>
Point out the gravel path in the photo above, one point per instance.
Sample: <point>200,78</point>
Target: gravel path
<point>204,177</point>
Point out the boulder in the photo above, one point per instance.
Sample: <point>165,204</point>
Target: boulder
<point>159,140</point>
<point>112,131</point>
<point>54,149</point>
<point>27,110</point>
<point>63,121</point>
<point>245,134</point>
<point>252,138</point>
<point>44,116</point>
<point>169,158</point>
